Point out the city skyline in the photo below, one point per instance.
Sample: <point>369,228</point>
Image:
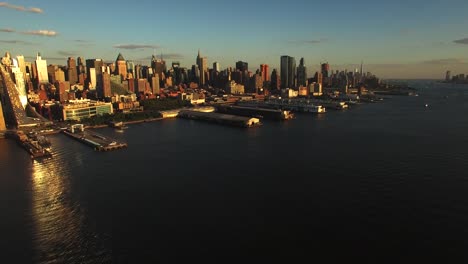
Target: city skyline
<point>421,39</point>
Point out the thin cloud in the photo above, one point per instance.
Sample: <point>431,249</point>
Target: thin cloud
<point>15,42</point>
<point>47,33</point>
<point>66,53</point>
<point>310,41</point>
<point>7,30</point>
<point>461,41</point>
<point>22,8</point>
<point>169,56</point>
<point>445,61</point>
<point>81,41</point>
<point>135,46</point>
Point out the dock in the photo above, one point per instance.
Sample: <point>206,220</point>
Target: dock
<point>224,119</point>
<point>96,141</point>
<point>265,113</point>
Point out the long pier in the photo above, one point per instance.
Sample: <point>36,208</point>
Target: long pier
<point>96,141</point>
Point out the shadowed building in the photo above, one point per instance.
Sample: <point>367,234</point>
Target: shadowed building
<point>288,72</point>
<point>301,74</point>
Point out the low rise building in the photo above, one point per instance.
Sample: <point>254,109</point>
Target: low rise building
<point>79,109</point>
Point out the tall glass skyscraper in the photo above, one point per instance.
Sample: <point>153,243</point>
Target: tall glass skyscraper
<point>288,72</point>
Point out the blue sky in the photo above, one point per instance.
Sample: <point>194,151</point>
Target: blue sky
<point>395,39</point>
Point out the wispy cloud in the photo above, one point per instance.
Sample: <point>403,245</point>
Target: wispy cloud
<point>135,46</point>
<point>309,41</point>
<point>47,33</point>
<point>7,30</point>
<point>22,8</point>
<point>168,56</point>
<point>15,42</point>
<point>81,41</point>
<point>445,61</point>
<point>66,53</point>
<point>461,41</point>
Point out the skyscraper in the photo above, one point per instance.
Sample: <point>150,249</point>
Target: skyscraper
<point>264,70</point>
<point>288,72</point>
<point>448,76</point>
<point>94,69</point>
<point>216,66</point>
<point>72,73</point>
<point>242,66</point>
<point>41,68</point>
<point>22,66</point>
<point>325,70</point>
<point>301,74</point>
<point>275,80</point>
<point>121,66</point>
<point>202,63</point>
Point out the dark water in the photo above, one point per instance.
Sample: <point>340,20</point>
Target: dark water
<point>382,182</point>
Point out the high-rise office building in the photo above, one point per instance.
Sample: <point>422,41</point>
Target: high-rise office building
<point>41,70</point>
<point>275,80</point>
<point>121,66</point>
<point>202,63</point>
<point>95,76</point>
<point>264,71</point>
<point>22,66</point>
<point>242,66</point>
<point>20,82</point>
<point>325,70</point>
<point>301,74</point>
<point>155,84</point>
<point>158,66</point>
<point>216,66</point>
<point>62,88</point>
<point>288,72</point>
<point>72,72</point>
<point>105,89</point>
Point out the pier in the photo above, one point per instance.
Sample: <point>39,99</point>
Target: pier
<point>266,113</point>
<point>96,141</point>
<point>232,120</point>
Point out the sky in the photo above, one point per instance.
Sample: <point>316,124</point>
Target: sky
<point>394,39</point>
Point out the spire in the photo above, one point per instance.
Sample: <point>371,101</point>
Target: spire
<point>120,57</point>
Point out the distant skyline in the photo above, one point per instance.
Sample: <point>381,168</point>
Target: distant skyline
<point>397,39</point>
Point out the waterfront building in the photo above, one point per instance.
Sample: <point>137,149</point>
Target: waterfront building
<point>448,76</point>
<point>302,74</point>
<point>41,70</point>
<point>234,88</point>
<point>121,66</point>
<point>79,109</point>
<point>288,72</point>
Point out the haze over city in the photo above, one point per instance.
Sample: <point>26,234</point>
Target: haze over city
<point>399,39</point>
